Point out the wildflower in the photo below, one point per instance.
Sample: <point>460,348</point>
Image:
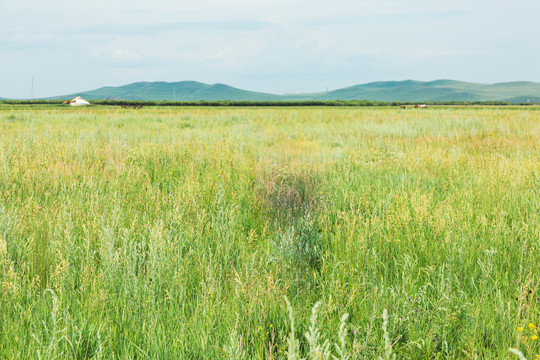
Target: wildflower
<point>520,329</point>
<point>534,337</point>
<point>531,326</point>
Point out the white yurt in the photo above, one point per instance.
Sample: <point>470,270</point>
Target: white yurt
<point>78,101</point>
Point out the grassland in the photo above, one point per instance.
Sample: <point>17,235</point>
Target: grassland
<point>168,233</point>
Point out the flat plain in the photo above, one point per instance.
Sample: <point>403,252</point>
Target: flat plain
<point>178,232</point>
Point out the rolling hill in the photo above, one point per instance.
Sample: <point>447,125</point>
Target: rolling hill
<point>404,91</point>
<point>181,91</point>
<point>438,90</point>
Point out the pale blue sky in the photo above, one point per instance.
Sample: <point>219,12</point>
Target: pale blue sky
<point>279,46</point>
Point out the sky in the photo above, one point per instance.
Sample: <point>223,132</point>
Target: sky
<point>277,46</point>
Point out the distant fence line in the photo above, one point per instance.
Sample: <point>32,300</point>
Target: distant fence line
<point>140,103</point>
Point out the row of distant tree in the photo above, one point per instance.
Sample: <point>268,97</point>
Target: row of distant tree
<point>139,103</point>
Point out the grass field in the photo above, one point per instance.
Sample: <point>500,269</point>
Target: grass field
<point>177,233</point>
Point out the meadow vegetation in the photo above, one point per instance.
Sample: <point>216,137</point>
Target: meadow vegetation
<point>185,232</point>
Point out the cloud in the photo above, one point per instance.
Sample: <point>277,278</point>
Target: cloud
<point>278,45</point>
<point>433,53</point>
<point>122,54</point>
<point>167,27</point>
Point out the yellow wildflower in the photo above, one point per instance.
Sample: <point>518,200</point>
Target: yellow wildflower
<point>531,326</point>
<point>520,329</point>
<point>534,337</point>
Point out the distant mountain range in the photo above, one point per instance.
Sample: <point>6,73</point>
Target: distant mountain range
<point>180,91</point>
<point>404,91</point>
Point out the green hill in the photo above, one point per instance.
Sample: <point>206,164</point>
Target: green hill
<point>404,91</point>
<point>438,90</point>
<point>181,91</point>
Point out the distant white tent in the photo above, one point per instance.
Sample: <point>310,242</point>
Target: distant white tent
<point>78,101</point>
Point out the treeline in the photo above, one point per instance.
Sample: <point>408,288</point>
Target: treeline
<point>243,103</point>
<point>207,103</point>
<point>32,102</point>
<point>262,103</point>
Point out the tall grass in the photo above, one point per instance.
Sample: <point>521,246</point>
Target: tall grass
<point>177,232</point>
